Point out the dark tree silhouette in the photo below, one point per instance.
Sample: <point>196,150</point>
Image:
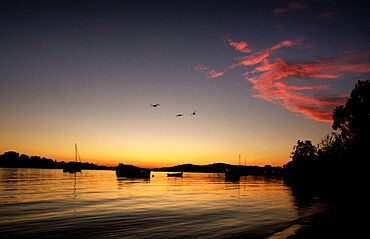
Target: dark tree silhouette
<point>303,164</point>
<point>339,157</point>
<point>304,150</point>
<point>352,120</point>
<point>24,157</point>
<point>11,155</point>
<point>331,148</point>
<point>335,170</point>
<point>13,159</point>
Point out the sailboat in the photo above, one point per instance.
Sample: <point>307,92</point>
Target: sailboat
<point>233,173</point>
<point>76,166</point>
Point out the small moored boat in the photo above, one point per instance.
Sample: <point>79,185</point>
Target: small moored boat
<point>174,174</point>
<point>232,174</point>
<point>131,171</point>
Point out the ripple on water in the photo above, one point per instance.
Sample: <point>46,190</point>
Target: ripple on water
<point>50,203</point>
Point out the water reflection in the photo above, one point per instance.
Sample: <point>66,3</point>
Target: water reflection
<point>126,182</point>
<point>49,203</point>
<point>304,196</point>
<point>75,186</point>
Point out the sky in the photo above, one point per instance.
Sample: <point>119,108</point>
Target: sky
<point>259,74</point>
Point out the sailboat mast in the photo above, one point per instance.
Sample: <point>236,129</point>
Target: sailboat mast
<point>75,152</point>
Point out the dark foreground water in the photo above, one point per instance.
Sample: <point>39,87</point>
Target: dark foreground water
<point>96,204</point>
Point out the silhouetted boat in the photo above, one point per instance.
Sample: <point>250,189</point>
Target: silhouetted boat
<point>175,174</point>
<point>73,167</point>
<point>232,174</point>
<point>130,171</point>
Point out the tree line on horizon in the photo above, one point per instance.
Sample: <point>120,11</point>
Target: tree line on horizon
<point>13,159</point>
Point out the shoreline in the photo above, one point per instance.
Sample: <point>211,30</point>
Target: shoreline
<point>344,220</point>
<point>309,225</point>
<point>318,222</point>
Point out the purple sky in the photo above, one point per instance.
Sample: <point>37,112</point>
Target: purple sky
<point>260,74</point>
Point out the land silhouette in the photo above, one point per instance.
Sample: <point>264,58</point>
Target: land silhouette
<point>267,170</point>
<point>13,159</point>
<point>334,170</point>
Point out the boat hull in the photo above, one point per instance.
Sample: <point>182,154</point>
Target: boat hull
<point>72,167</point>
<point>232,174</point>
<point>174,175</point>
<point>130,171</point>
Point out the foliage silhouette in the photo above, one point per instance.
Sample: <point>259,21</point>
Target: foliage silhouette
<point>12,159</point>
<point>352,120</point>
<point>336,161</point>
<point>331,148</point>
<point>304,150</point>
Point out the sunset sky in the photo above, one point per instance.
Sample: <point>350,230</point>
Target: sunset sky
<point>259,74</point>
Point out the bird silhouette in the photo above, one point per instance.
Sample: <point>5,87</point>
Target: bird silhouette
<point>194,112</point>
<point>179,115</point>
<point>154,105</point>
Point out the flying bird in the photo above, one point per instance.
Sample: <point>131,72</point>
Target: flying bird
<point>194,112</point>
<point>154,105</point>
<point>179,115</point>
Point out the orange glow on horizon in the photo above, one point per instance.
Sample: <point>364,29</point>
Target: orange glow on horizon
<point>159,158</point>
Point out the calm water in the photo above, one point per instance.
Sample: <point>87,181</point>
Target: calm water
<point>97,204</point>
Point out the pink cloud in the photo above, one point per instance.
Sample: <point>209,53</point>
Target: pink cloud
<point>327,15</point>
<point>292,6</point>
<point>241,46</point>
<point>268,83</point>
<point>207,71</point>
<point>293,99</point>
<point>269,87</point>
<point>259,57</point>
<point>255,58</point>
<point>269,79</point>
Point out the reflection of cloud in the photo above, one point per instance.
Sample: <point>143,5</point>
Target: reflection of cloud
<point>327,15</point>
<point>292,6</point>
<point>268,78</point>
<point>206,70</point>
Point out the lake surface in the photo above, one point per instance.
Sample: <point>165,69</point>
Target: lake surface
<point>96,204</point>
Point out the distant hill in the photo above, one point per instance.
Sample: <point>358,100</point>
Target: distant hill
<point>221,167</point>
